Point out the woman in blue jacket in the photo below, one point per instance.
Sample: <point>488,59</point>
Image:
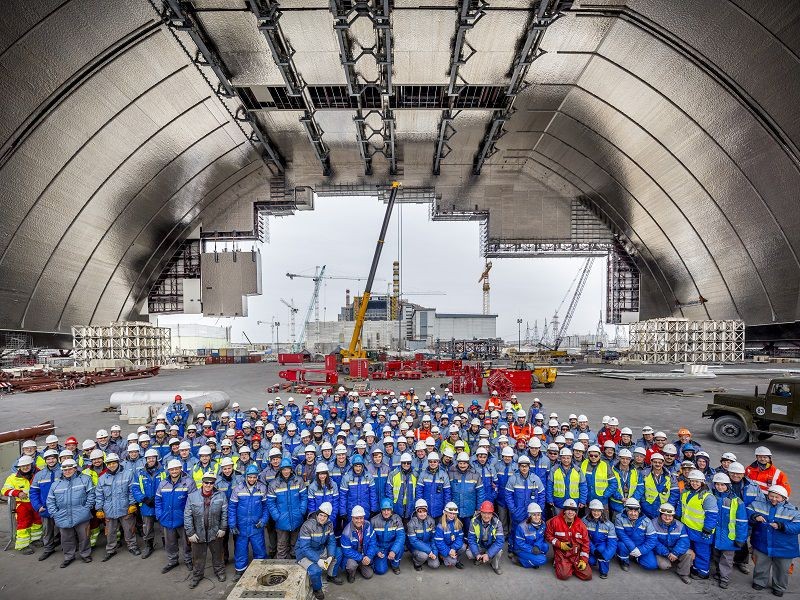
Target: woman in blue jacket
<point>449,537</point>
<point>731,531</point>
<point>323,489</point>
<point>530,546</point>
<point>776,525</point>
<point>602,538</point>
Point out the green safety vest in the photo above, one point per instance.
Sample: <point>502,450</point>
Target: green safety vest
<point>693,515</point>
<point>198,471</point>
<point>600,476</point>
<point>651,491</point>
<point>397,482</point>
<point>559,487</point>
<point>734,506</point>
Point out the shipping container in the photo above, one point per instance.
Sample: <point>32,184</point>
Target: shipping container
<point>290,358</point>
<point>359,368</point>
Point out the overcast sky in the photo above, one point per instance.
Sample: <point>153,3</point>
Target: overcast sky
<point>436,256</point>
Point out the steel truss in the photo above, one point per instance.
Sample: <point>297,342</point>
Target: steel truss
<point>268,16</point>
<point>487,348</point>
<point>345,13</point>
<point>622,284</point>
<point>670,340</point>
<point>544,15</point>
<point>527,249</point>
<point>180,17</point>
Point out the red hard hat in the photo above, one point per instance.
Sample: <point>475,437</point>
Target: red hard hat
<point>71,440</point>
<point>239,433</point>
<point>178,398</point>
<point>487,507</point>
<point>255,437</point>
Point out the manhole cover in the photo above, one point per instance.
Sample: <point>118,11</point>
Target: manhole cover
<point>273,578</point>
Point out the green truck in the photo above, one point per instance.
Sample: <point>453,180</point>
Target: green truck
<point>740,418</point>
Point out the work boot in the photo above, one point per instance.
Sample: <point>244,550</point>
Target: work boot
<point>167,568</point>
<point>743,567</point>
<point>459,565</point>
<point>777,593</point>
<point>603,575</point>
<point>27,550</point>
<point>189,565</point>
<point>498,570</point>
<point>135,551</point>
<point>66,563</point>
<point>337,580</point>
<point>319,594</point>
<point>237,575</point>
<point>696,575</point>
<point>86,559</point>
<point>417,567</point>
<point>351,575</point>
<point>148,550</point>
<point>193,583</point>
<point>758,587</point>
<point>221,577</point>
<point>723,583</point>
<point>625,566</point>
<point>108,556</point>
<point>685,579</point>
<point>46,554</point>
<point>396,570</point>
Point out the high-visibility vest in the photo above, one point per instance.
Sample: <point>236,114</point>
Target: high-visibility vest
<point>15,483</point>
<point>651,491</point>
<point>633,482</point>
<point>600,476</point>
<point>198,471</point>
<point>693,515</point>
<point>397,482</point>
<point>734,506</point>
<point>559,487</point>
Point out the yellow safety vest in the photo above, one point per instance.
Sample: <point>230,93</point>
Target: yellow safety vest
<point>559,487</point>
<point>198,471</point>
<point>734,508</point>
<point>16,483</point>
<point>633,482</point>
<point>693,514</point>
<point>600,476</point>
<point>397,482</point>
<point>651,491</point>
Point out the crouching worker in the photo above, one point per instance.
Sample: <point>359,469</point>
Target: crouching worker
<point>390,538</point>
<point>602,538</point>
<point>358,545</point>
<point>316,549</point>
<point>449,537</point>
<point>530,543</point>
<point>486,538</point>
<point>672,543</point>
<point>570,540</point>
<point>421,531</point>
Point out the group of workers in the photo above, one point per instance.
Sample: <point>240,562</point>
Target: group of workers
<point>353,483</point>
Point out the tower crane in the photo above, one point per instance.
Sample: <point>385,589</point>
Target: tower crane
<point>583,275</point>
<point>485,279</point>
<point>313,305</point>
<point>292,312</point>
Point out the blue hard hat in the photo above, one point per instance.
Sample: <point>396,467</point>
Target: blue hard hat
<point>358,460</point>
<point>687,446</point>
<point>286,462</point>
<point>253,470</point>
<point>386,503</point>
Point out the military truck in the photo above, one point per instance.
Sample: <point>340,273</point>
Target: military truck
<point>740,418</point>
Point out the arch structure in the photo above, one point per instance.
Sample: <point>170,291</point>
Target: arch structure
<point>669,129</point>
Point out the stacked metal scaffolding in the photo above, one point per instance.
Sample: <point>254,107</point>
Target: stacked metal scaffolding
<point>684,341</point>
<point>141,343</point>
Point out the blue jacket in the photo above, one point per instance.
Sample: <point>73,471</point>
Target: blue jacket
<point>287,500</point>
<point>593,486</point>
<point>171,500</point>
<point>448,538</point>
<point>177,413</point>
<point>357,490</point>
<point>503,471</point>
<point>349,542</point>
<point>732,525</point>
<point>144,485</point>
<point>540,465</point>
<point>113,493</point>
<point>520,492</point>
<point>490,537</point>
<point>667,487</point>
<point>670,539</point>
<point>421,534</point>
<point>629,484</point>
<point>528,536</point>
<point>488,475</point>
<point>778,543</point>
<point>40,487</point>
<point>314,538</point>
<point>435,489</point>
<point>466,490</point>
<point>636,534</point>
<point>337,473</point>
<point>602,538</point>
<point>223,484</point>
<point>400,489</point>
<point>380,475</point>
<point>747,490</point>
<point>390,535</point>
<point>70,501</point>
<point>317,495</point>
<point>247,507</point>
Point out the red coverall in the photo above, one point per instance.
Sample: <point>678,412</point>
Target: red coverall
<point>768,477</point>
<point>566,562</point>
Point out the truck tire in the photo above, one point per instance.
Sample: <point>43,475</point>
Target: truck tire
<point>729,429</point>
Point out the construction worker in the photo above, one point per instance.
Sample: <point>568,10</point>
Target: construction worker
<point>226,481</point>
<point>420,532</point>
<point>358,545</point>
<point>144,486</point>
<point>776,525</point>
<point>449,537</point>
<point>636,537</point>
<point>672,543</point>
<point>433,486</point>
<point>698,511</point>
<point>486,538</point>
<point>602,538</point>
<point>247,514</point>
<point>747,491</point>
<point>566,482</point>
<point>629,484</point>
<point>70,501</point>
<point>114,502</point>
<point>203,465</point>
<point>570,540</point>
<point>316,549</point>
<point>205,521</point>
<point>601,481</point>
<point>505,468</point>
<point>390,537</point>
<point>522,488</point>
<point>659,487</point>
<point>357,489</point>
<point>287,501</point>
<point>29,521</point>
<point>731,531</point>
<point>323,489</point>
<point>401,487</point>
<point>40,487</point>
<point>764,473</point>
<point>466,488</point>
<point>170,502</point>
<point>530,545</point>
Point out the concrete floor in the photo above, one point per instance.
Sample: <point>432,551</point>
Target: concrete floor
<point>80,413</point>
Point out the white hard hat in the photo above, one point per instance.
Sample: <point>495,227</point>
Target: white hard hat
<point>670,449</point>
<point>520,413</point>
<point>625,453</point>
<point>69,464</point>
<point>326,507</point>
<point>29,444</point>
<point>534,442</point>
<point>626,431</point>
<point>524,460</point>
<point>276,439</point>
<point>174,464</point>
<point>552,447</point>
<point>594,448</point>
<point>185,446</point>
<point>421,503</point>
<point>779,489</point>
<point>451,507</point>
<point>226,462</point>
<point>534,508</point>
<point>570,503</point>
<point>763,451</point>
<point>433,456</point>
<point>134,448</point>
<point>565,452</point>
<point>132,437</point>
<point>728,456</point>
<point>161,427</point>
<point>736,467</point>
<point>144,438</point>
<point>116,428</point>
<point>596,505</point>
<point>578,446</point>
<point>358,511</point>
<point>405,457</point>
<point>483,450</point>
<point>667,509</point>
<point>508,451</point>
<point>572,416</point>
<point>50,452</point>
<point>606,419</point>
<point>101,433</point>
<point>609,444</point>
<point>696,475</point>
<point>226,443</point>
<point>173,441</point>
<point>560,439</point>
<point>112,457</point>
<point>322,468</point>
<point>632,503</point>
<point>244,449</point>
<point>361,444</point>
<point>613,421</point>
<point>51,439</point>
<point>721,478</point>
<point>96,453</point>
<point>552,423</point>
<point>274,452</point>
<point>462,457</point>
<point>24,460</point>
<point>310,448</point>
<point>656,455</point>
<point>204,450</point>
<point>151,452</point>
<point>660,434</point>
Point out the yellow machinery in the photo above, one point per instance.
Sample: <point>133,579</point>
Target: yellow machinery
<point>355,350</point>
<point>542,374</point>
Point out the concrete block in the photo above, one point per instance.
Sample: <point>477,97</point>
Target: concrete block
<point>282,579</point>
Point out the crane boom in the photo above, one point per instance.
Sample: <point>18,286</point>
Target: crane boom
<point>355,349</point>
<point>317,283</point>
<point>584,275</point>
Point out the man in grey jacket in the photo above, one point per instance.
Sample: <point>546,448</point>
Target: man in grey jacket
<point>205,520</point>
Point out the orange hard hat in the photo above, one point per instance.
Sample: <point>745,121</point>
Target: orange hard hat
<point>684,431</point>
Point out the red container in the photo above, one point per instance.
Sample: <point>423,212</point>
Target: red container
<point>330,362</point>
<point>393,365</point>
<point>290,358</point>
<point>359,368</point>
<point>520,380</point>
